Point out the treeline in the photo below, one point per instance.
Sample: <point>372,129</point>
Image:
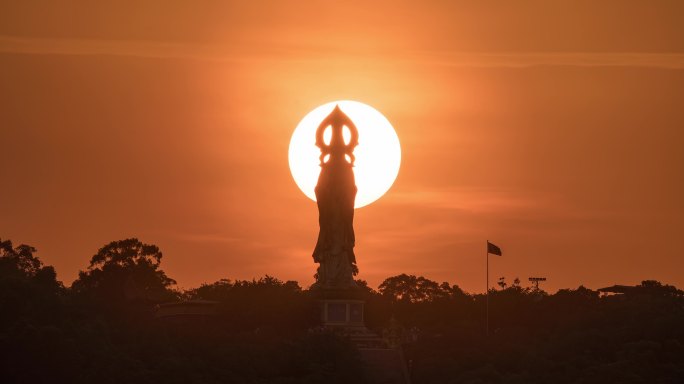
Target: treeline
<point>102,329</point>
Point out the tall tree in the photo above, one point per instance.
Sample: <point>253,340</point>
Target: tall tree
<point>27,287</point>
<point>409,288</point>
<point>126,270</point>
<point>18,260</point>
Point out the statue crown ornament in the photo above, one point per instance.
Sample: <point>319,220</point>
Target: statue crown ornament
<point>337,147</point>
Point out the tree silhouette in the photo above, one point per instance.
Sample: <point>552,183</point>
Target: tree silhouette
<point>656,288</point>
<point>265,304</point>
<point>502,282</point>
<point>27,288</point>
<point>123,271</point>
<point>409,288</point>
<point>19,259</point>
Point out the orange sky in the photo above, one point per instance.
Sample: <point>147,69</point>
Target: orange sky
<point>554,129</point>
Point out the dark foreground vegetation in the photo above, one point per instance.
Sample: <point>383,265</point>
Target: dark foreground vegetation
<point>102,329</point>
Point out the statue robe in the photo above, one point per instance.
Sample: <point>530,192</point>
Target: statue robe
<point>335,195</point>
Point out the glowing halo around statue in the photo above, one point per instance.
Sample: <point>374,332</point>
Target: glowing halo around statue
<point>378,155</point>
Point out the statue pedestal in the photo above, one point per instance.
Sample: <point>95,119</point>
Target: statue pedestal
<point>340,308</point>
<point>342,313</point>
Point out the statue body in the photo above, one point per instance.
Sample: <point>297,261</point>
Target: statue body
<point>335,196</point>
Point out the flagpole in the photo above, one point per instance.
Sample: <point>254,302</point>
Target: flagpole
<point>487,290</point>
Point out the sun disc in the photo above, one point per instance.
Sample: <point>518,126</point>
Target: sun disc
<point>378,155</point>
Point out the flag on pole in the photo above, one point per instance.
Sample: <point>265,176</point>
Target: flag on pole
<point>493,249</point>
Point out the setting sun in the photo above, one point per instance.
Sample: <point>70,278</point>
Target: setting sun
<point>378,155</point>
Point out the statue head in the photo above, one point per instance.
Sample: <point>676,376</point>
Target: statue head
<point>337,148</point>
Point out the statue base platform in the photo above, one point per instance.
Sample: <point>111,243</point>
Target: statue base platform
<point>341,313</point>
<point>340,308</point>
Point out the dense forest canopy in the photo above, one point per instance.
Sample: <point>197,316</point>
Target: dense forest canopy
<point>102,328</point>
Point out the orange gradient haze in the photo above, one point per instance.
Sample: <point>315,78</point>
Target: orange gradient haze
<point>553,129</point>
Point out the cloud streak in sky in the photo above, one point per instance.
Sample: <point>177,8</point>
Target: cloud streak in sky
<point>242,52</point>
